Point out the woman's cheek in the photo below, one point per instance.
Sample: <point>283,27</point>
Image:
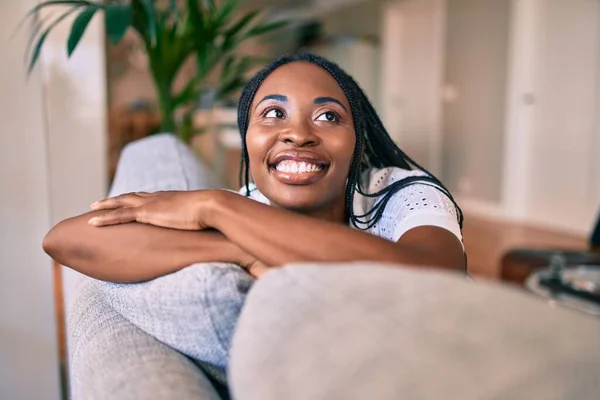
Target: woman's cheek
<point>343,148</point>
<point>258,143</point>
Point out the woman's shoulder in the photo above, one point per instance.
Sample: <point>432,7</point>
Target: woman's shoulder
<point>251,191</point>
<point>409,206</point>
<point>376,179</point>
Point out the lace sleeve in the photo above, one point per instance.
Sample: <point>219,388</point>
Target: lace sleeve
<point>420,205</point>
<point>415,205</point>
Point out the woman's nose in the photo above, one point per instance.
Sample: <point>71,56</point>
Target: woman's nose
<point>299,135</point>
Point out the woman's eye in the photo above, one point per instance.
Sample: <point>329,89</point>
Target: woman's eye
<point>275,113</point>
<point>328,116</point>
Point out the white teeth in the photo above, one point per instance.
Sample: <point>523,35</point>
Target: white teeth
<point>294,167</point>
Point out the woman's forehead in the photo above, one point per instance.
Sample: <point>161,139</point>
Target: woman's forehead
<point>301,79</point>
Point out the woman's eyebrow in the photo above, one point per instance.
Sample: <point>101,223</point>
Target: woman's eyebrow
<point>278,97</point>
<point>323,100</point>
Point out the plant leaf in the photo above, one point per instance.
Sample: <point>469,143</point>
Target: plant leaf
<point>196,19</point>
<point>242,22</point>
<point>265,28</point>
<point>234,73</point>
<point>38,47</point>
<point>75,3</point>
<point>118,19</point>
<point>212,6</point>
<point>226,69</point>
<point>188,93</point>
<point>174,9</point>
<point>78,28</point>
<point>149,23</point>
<point>34,10</point>
<point>225,10</point>
<point>201,31</point>
<point>230,39</point>
<point>38,25</point>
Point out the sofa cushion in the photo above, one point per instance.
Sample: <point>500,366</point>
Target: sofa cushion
<point>113,359</point>
<point>377,332</point>
<point>160,162</point>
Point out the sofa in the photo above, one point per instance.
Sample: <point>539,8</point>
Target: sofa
<point>310,331</point>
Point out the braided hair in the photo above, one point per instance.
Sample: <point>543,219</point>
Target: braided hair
<point>374,146</point>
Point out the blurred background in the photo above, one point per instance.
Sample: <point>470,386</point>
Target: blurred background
<point>499,98</point>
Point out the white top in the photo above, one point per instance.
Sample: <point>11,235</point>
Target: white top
<point>415,205</point>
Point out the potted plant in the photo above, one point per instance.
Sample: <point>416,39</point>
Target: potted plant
<point>172,32</point>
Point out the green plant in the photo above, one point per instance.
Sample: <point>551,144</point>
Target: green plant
<point>172,32</point>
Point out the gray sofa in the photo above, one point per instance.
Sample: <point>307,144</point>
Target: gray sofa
<point>353,331</point>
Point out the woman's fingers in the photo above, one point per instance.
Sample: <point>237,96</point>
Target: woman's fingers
<point>119,216</point>
<point>124,200</point>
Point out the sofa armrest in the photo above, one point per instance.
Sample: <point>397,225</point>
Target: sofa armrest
<point>109,356</point>
<point>113,359</point>
<point>376,332</point>
<point>160,162</point>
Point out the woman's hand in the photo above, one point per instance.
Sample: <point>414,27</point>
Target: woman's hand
<point>184,210</point>
<point>256,268</point>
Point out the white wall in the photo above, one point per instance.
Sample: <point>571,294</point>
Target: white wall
<point>563,175</point>
<point>76,109</point>
<point>359,57</point>
<point>476,61</point>
<point>28,347</point>
<point>52,166</point>
<point>362,17</point>
<point>521,110</point>
<point>553,137</point>
<point>412,69</point>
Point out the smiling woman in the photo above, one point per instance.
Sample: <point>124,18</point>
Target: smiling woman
<point>328,185</point>
<point>321,162</point>
<point>293,127</point>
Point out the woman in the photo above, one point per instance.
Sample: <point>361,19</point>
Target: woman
<point>329,186</point>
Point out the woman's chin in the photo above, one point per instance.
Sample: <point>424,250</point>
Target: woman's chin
<point>297,205</point>
<point>314,193</point>
<point>301,199</point>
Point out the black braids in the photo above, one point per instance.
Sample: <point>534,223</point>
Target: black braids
<point>405,160</point>
<point>374,147</point>
<point>389,143</point>
<point>357,167</point>
<point>426,180</point>
<point>385,141</point>
<point>409,181</point>
<point>379,207</point>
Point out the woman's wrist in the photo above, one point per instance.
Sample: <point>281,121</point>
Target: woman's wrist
<point>215,208</point>
<point>231,252</point>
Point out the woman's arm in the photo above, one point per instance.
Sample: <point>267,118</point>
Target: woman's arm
<point>135,252</point>
<point>277,237</point>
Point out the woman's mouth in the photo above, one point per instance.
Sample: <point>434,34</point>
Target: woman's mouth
<point>297,172</point>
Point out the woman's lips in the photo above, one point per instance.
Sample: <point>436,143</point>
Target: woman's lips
<point>296,172</point>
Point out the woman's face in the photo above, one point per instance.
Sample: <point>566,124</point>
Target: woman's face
<point>301,139</point>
